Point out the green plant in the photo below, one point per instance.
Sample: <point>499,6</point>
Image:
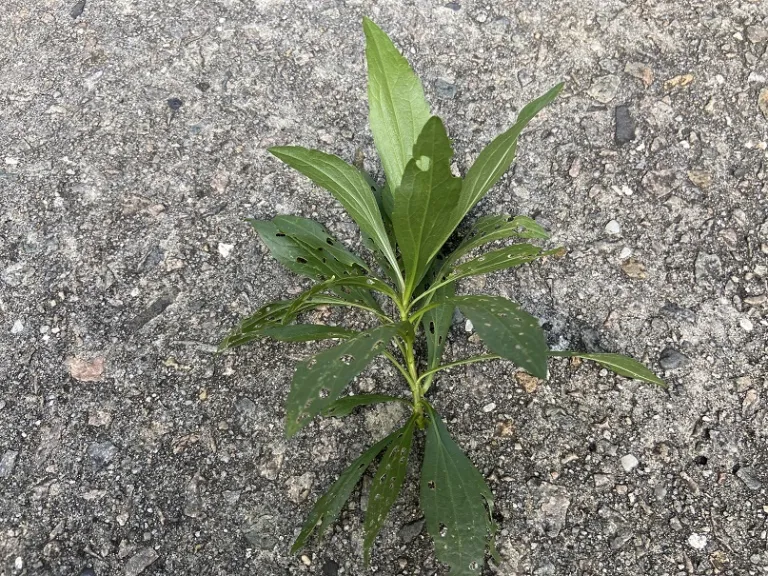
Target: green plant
<point>406,224</point>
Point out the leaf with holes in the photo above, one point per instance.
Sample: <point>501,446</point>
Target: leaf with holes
<point>346,405</point>
<point>437,322</point>
<point>306,332</point>
<point>424,207</point>
<point>250,328</point>
<point>387,483</point>
<point>496,158</point>
<point>319,381</point>
<point>507,330</point>
<point>501,259</point>
<point>347,185</point>
<point>314,236</point>
<point>621,365</point>
<point>327,508</point>
<point>457,503</point>
<point>497,227</point>
<point>398,110</point>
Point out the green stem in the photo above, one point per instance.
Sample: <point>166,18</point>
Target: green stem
<point>400,367</point>
<point>472,360</point>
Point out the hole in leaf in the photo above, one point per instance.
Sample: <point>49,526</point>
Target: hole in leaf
<point>301,260</point>
<point>431,484</point>
<point>329,241</point>
<point>324,393</point>
<point>473,566</point>
<point>280,235</point>
<point>443,530</point>
<point>431,327</point>
<point>439,340</point>
<point>347,359</point>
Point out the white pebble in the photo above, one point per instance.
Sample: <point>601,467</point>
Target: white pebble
<point>613,227</point>
<point>305,560</point>
<point>11,161</point>
<point>746,324</point>
<point>625,253</point>
<point>698,541</point>
<point>489,407</point>
<point>225,249</point>
<point>629,462</point>
<point>468,326</point>
<point>18,327</point>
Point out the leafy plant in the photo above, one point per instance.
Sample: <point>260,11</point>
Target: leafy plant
<point>406,224</point>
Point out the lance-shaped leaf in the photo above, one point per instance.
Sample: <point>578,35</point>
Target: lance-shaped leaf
<point>621,365</point>
<point>424,215</point>
<point>456,502</point>
<point>314,236</point>
<point>501,259</point>
<point>305,332</point>
<point>343,286</point>
<point>319,381</point>
<point>497,227</point>
<point>347,184</point>
<point>507,330</point>
<point>397,108</point>
<point>344,406</point>
<point>386,484</point>
<point>496,158</point>
<point>327,508</point>
<point>437,322</point>
<point>250,328</point>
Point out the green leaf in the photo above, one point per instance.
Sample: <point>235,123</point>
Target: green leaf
<point>507,330</point>
<point>320,380</point>
<point>347,184</point>
<point>437,322</point>
<point>501,259</point>
<point>456,502</point>
<point>497,227</point>
<point>314,236</point>
<point>305,332</point>
<point>343,284</point>
<point>398,110</point>
<point>327,508</point>
<point>496,158</point>
<point>621,365</point>
<point>387,483</point>
<point>250,328</point>
<point>425,204</point>
<point>344,406</point>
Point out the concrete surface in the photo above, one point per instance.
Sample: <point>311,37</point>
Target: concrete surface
<point>132,142</point>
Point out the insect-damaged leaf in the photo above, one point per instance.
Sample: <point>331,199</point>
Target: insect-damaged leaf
<point>456,502</point>
<point>396,102</point>
<point>327,508</point>
<point>314,236</point>
<point>425,202</point>
<point>387,483</point>
<point>320,380</point>
<point>621,365</point>
<point>250,328</point>
<point>305,332</point>
<point>347,184</point>
<point>496,158</point>
<point>497,227</point>
<point>500,259</point>
<point>507,330</point>
<point>437,323</point>
<point>344,406</point>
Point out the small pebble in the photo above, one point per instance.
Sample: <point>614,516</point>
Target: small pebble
<point>698,541</point>
<point>746,324</point>
<point>625,253</point>
<point>747,475</point>
<point>17,327</point>
<point>445,89</point>
<point>225,249</point>
<point>174,104</point>
<point>305,560</point>
<point>629,462</point>
<point>468,326</point>
<point>670,359</point>
<point>489,407</point>
<point>613,228</point>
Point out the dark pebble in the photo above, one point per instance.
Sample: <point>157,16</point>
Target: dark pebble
<point>77,9</point>
<point>455,6</point>
<point>203,86</point>
<point>670,359</point>
<point>677,312</point>
<point>445,90</point>
<point>174,103</point>
<point>410,531</point>
<point>330,568</point>
<point>625,126</point>
<point>87,572</point>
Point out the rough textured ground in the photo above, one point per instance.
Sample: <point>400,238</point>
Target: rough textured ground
<point>132,142</point>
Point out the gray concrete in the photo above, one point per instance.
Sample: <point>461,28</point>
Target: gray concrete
<point>132,142</point>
